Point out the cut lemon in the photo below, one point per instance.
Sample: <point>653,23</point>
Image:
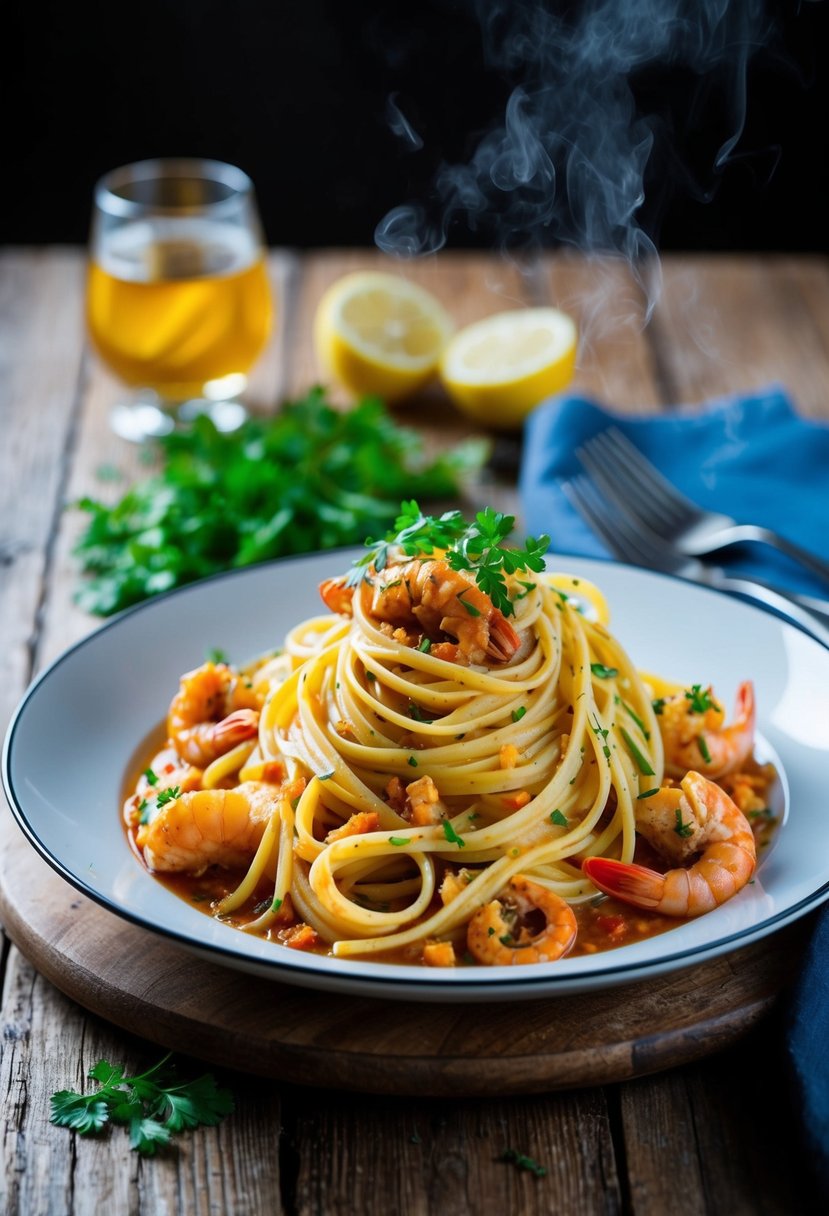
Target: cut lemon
<point>498,369</point>
<point>377,333</point>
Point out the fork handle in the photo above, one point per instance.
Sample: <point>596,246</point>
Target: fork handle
<point>753,532</point>
<point>772,599</point>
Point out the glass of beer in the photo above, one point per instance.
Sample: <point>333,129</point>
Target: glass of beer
<point>178,301</point>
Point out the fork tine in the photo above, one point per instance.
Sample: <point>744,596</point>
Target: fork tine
<point>624,540</point>
<point>629,466</point>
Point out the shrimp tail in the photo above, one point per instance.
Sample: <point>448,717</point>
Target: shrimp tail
<point>631,883</point>
<point>503,640</point>
<point>337,596</point>
<point>242,724</point>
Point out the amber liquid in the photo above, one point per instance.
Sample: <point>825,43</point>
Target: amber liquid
<point>176,309</point>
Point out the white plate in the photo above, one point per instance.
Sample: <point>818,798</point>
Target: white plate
<point>78,725</point>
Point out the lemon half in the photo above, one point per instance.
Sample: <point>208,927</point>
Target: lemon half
<point>377,333</point>
<point>498,369</point>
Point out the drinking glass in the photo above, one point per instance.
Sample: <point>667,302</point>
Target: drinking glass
<point>178,301</point>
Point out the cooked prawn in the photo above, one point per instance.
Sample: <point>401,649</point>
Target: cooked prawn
<point>209,827</point>
<point>502,932</point>
<point>165,771</point>
<point>431,594</point>
<point>212,711</point>
<point>699,740</point>
<point>679,822</point>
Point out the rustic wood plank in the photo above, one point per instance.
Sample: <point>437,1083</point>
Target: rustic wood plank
<point>49,1044</point>
<point>41,330</point>
<point>418,1158</point>
<point>734,324</point>
<point>58,437</point>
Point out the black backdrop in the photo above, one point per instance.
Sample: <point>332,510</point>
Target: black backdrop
<point>297,93</point>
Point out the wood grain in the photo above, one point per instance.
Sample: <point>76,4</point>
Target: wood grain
<point>151,987</point>
<point>714,1135</point>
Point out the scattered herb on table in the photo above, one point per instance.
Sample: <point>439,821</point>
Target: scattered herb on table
<point>310,477</point>
<point>154,1105</point>
<point>522,1162</point>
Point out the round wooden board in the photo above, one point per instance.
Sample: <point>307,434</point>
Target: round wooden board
<point>154,989</point>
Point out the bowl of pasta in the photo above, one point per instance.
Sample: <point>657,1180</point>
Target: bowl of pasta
<point>445,767</point>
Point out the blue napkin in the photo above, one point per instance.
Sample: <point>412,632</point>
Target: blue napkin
<point>751,457</point>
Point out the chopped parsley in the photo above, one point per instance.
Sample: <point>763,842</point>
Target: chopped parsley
<point>425,646</point>
<point>703,749</point>
<point>641,761</point>
<point>647,793</point>
<point>216,655</point>
<point>151,777</point>
<point>412,761</point>
<point>645,732</point>
<point>700,699</point>
<point>682,829</point>
<point>143,811</point>
<point>658,705</point>
<point>599,732</point>
<point>522,1162</point>
<point>602,672</point>
<point>399,841</point>
<point>168,795</point>
<point>452,836</point>
<point>558,819</point>
<point>518,714</point>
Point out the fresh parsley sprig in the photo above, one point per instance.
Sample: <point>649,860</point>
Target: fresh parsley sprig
<point>310,477</point>
<point>152,1104</point>
<point>476,547</point>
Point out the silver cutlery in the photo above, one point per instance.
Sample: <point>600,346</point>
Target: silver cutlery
<point>629,480</point>
<point>636,546</point>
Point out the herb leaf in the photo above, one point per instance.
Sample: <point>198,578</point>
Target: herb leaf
<point>311,477</point>
<point>452,836</point>
<point>152,1104</point>
<point>476,547</point>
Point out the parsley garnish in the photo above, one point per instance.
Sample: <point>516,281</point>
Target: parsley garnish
<point>143,811</point>
<point>518,714</point>
<point>472,546</point>
<point>558,818</point>
<point>452,836</point>
<point>306,477</point>
<point>682,829</point>
<point>645,732</point>
<point>398,841</point>
<point>647,793</point>
<point>703,749</point>
<point>413,761</point>
<point>168,795</point>
<point>641,761</point>
<point>658,705</point>
<point>152,1105</point>
<point>215,655</point>
<point>425,645</point>
<point>604,673</point>
<point>152,779</point>
<point>599,732</point>
<point>700,699</point>
<point>522,1162</point>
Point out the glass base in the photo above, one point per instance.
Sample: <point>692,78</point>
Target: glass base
<point>148,417</point>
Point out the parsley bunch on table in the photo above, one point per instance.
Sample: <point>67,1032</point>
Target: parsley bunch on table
<point>311,477</point>
<point>154,1105</point>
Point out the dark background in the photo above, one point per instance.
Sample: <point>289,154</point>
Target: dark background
<point>296,93</point>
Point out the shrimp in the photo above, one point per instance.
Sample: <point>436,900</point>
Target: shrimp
<point>165,771</point>
<point>696,738</point>
<point>436,597</point>
<point>209,827</point>
<point>679,823</point>
<point>212,712</point>
<point>502,933</point>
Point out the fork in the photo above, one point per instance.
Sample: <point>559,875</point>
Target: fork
<point>641,548</point>
<point>630,481</point>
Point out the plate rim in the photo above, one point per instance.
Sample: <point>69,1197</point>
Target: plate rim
<point>399,979</point>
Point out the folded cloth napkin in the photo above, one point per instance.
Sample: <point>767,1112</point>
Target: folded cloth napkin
<point>753,458</point>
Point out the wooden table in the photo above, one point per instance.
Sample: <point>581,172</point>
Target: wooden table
<point>709,1137</point>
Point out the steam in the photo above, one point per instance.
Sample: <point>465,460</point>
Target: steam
<point>568,163</point>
